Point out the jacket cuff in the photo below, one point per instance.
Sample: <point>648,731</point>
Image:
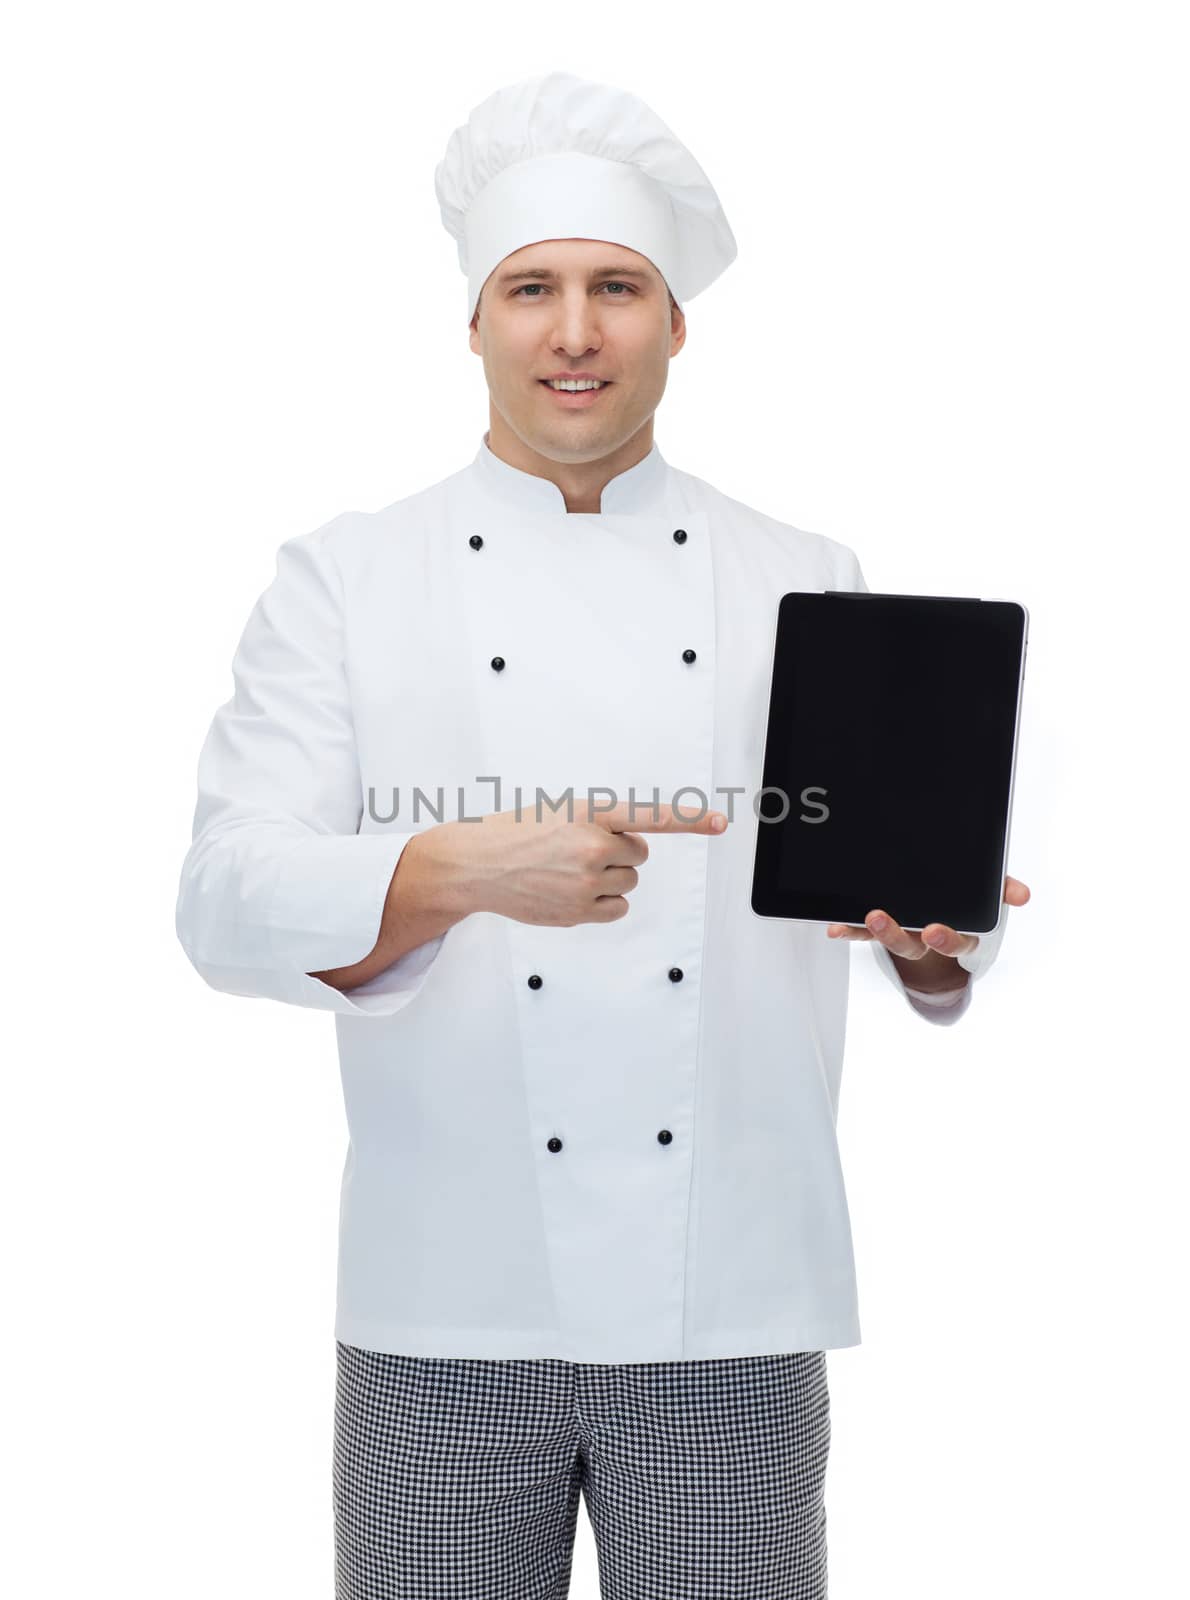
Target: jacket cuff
<point>323,907</point>
<point>328,897</point>
<point>943,1010</point>
<point>326,912</point>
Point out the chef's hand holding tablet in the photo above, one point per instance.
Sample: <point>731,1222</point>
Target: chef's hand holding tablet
<point>935,939</point>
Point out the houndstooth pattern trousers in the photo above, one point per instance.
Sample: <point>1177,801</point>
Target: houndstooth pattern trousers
<point>460,1479</point>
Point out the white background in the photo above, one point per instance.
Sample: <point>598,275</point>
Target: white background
<point>955,339</point>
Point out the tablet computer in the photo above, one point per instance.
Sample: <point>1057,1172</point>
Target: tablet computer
<point>890,759</point>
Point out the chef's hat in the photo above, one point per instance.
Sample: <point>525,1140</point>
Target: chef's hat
<point>560,157</point>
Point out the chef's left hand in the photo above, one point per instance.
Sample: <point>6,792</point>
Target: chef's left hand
<point>936,946</point>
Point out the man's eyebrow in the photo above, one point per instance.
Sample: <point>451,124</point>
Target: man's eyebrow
<point>597,272</point>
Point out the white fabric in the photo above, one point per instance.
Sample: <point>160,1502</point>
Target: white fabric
<point>944,1007</point>
<point>366,665</point>
<point>561,157</point>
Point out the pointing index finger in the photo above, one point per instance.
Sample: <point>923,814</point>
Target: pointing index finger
<point>645,817</point>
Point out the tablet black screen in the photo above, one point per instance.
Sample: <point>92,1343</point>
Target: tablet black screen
<point>891,735</point>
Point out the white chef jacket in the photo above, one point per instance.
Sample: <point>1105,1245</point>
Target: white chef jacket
<point>634,1159</point>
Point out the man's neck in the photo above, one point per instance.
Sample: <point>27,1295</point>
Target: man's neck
<point>581,483</point>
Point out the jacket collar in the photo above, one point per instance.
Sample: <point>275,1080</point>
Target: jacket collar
<point>638,491</point>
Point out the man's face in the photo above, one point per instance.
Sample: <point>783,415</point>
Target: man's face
<point>554,307</point>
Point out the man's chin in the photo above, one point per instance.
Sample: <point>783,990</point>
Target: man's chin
<point>574,438</point>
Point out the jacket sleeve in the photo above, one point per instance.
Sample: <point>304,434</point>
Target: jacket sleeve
<point>935,1009</point>
<point>278,881</point>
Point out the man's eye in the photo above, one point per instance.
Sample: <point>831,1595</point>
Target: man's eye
<point>613,284</point>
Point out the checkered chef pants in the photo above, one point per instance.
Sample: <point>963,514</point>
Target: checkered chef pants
<point>459,1479</point>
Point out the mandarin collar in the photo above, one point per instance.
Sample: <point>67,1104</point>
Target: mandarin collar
<point>635,492</point>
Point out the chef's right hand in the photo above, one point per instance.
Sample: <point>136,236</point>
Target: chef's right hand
<point>553,870</point>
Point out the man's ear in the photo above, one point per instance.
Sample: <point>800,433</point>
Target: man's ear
<point>677,326</point>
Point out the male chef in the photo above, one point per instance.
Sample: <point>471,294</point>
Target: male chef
<point>594,1237</point>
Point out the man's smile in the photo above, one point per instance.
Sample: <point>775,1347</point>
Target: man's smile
<point>573,399</point>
